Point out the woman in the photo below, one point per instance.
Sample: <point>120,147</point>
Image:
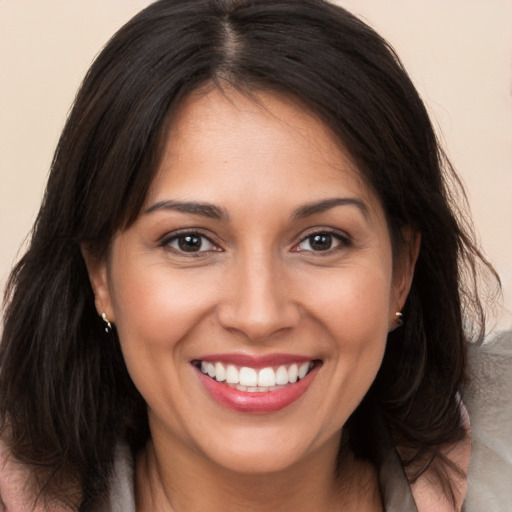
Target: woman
<point>246,204</point>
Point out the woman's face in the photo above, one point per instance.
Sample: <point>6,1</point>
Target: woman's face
<point>262,259</point>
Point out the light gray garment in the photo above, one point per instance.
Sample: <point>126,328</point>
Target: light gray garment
<point>395,489</point>
<point>122,497</point>
<point>488,398</point>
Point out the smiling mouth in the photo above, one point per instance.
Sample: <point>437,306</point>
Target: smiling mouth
<point>254,380</point>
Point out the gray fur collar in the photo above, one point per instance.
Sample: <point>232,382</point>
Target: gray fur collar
<point>488,398</point>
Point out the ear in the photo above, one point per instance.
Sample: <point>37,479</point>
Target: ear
<point>404,268</point>
<point>98,276</point>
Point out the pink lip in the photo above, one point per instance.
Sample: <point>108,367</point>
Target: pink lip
<point>256,403</point>
<point>256,362</point>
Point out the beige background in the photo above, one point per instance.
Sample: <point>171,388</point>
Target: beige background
<point>458,52</point>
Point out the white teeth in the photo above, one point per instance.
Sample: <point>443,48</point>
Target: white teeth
<point>303,370</point>
<point>251,389</point>
<point>293,373</point>
<point>282,376</point>
<point>266,377</point>
<point>232,375</point>
<point>220,372</point>
<point>254,381</point>
<point>248,377</point>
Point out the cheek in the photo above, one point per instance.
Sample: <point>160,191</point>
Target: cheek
<point>355,314</point>
<point>354,303</point>
<point>155,311</point>
<point>354,309</point>
<point>156,307</point>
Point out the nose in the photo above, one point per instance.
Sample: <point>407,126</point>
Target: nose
<point>258,301</point>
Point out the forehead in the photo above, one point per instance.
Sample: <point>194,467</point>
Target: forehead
<point>222,142</point>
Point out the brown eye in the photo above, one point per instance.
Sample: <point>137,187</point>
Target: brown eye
<point>322,242</point>
<point>190,243</point>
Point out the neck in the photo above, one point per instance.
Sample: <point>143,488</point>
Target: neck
<point>186,482</point>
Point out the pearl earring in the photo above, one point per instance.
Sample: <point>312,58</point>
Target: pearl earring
<point>108,325</point>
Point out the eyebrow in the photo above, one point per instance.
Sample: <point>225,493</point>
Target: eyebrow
<point>203,209</point>
<point>321,206</point>
<point>214,212</point>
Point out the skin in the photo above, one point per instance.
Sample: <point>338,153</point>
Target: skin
<point>258,287</point>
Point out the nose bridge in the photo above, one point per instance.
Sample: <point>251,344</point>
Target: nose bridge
<point>258,302</point>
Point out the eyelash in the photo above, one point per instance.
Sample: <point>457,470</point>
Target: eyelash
<point>167,243</point>
<point>340,240</point>
<point>343,241</point>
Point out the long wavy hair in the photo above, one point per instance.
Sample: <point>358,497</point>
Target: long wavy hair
<point>66,397</point>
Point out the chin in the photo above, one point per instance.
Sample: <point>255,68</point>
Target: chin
<point>257,462</point>
<point>260,453</point>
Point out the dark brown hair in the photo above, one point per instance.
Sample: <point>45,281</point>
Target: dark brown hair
<point>66,397</point>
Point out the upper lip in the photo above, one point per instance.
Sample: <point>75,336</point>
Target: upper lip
<point>253,361</point>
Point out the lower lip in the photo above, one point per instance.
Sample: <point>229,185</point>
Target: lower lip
<point>256,403</point>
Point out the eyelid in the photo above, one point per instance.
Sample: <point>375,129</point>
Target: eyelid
<point>168,238</point>
<point>344,239</point>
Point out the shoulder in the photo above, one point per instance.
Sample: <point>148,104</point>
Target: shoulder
<point>16,492</point>
<point>485,456</point>
<point>18,489</point>
<point>488,396</point>
<point>428,495</point>
<point>121,485</point>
